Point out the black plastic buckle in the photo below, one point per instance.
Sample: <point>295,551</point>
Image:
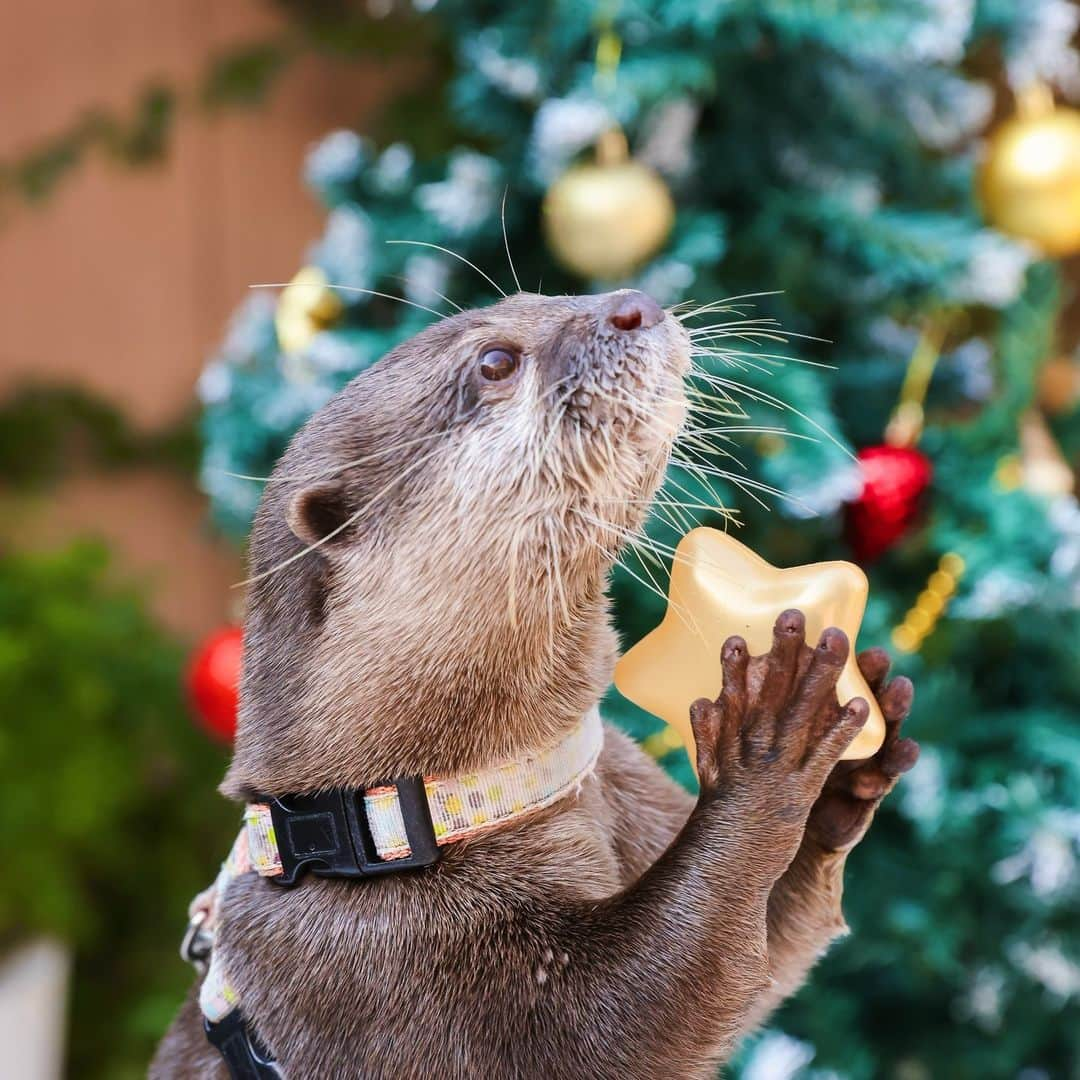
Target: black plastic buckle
<point>245,1056</point>
<point>329,834</point>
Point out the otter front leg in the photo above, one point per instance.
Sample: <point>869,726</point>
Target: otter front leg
<point>805,906</point>
<point>663,976</point>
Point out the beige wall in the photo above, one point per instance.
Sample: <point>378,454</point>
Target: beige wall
<point>123,280</point>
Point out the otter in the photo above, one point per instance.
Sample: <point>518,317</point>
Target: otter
<point>428,597</point>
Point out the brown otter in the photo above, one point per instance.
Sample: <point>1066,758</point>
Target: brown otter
<point>463,498</point>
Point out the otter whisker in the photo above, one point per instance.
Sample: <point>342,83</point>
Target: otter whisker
<point>731,355</point>
<point>689,442</point>
<point>703,480</point>
<point>435,292</point>
<point>714,388</point>
<point>731,359</point>
<point>662,500</point>
<point>764,325</point>
<point>760,396</point>
<point>699,463</point>
<point>560,587</point>
<point>683,612</point>
<point>629,535</point>
<point>702,362</point>
<point>742,309</point>
<point>698,427</point>
<point>702,409</point>
<point>454,255</point>
<point>722,352</point>
<point>343,526</point>
<point>349,289</point>
<point>745,483</point>
<point>703,403</point>
<point>638,537</point>
<point>726,346</point>
<point>680,306</point>
<point>766,322</point>
<point>673,514</point>
<point>647,555</point>
<point>677,557</point>
<point>652,587</point>
<point>751,333</point>
<point>506,241</point>
<point>744,296</point>
<point>671,480</point>
<point>699,561</point>
<point>658,546</point>
<point>311,476</point>
<point>723,432</point>
<point>701,476</point>
<point>555,386</point>
<point>713,395</point>
<point>716,305</point>
<point>631,543</point>
<point>557,413</point>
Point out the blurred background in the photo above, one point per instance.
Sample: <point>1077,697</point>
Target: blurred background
<point>902,178</point>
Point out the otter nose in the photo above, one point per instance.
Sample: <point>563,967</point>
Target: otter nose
<point>634,310</point>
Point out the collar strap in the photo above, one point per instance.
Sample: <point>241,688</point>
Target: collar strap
<point>363,832</point>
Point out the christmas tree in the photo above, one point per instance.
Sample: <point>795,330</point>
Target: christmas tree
<point>917,412</point>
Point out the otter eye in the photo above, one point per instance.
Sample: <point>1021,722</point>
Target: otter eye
<point>498,364</point>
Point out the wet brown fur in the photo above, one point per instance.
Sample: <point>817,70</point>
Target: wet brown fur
<point>459,620</point>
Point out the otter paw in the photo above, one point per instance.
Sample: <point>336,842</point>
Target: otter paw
<point>854,789</point>
<point>777,728</point>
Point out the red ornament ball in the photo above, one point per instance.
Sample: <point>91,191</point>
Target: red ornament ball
<point>213,681</point>
<point>895,478</point>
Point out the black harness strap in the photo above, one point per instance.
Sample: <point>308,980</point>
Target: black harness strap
<point>245,1057</point>
<point>329,835</point>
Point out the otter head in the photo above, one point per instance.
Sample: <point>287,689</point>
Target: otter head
<point>430,556</point>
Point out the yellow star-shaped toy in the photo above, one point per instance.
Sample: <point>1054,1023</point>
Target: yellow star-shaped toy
<point>719,587</point>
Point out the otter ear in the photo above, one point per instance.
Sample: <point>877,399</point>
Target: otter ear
<point>318,513</point>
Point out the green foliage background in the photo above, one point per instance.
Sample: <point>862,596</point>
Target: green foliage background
<point>109,802</point>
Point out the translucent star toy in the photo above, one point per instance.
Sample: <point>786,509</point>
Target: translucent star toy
<point>720,587</point>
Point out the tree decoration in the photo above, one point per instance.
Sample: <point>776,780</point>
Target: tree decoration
<point>213,680</point>
<point>922,617</point>
<point>895,479</point>
<point>1029,183</point>
<point>307,306</point>
<point>896,474</point>
<point>606,218</point>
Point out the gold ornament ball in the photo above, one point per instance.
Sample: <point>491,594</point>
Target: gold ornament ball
<point>1029,183</point>
<point>604,219</point>
<point>306,307</point>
